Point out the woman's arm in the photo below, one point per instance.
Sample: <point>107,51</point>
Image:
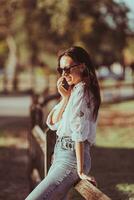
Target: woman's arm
<point>79,147</point>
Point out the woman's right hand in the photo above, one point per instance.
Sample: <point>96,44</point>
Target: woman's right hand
<point>63,92</point>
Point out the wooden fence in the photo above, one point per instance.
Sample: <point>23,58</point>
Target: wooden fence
<point>117,92</point>
<point>41,147</point>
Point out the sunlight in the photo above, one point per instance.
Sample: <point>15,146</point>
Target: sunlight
<point>126,189</point>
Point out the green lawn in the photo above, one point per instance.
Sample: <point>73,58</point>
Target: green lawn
<point>116,125</point>
<point>115,145</point>
<point>115,136</point>
<point>13,158</point>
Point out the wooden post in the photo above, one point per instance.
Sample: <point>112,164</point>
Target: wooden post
<point>41,150</point>
<point>36,113</point>
<point>51,140</point>
<point>36,117</point>
<point>46,141</point>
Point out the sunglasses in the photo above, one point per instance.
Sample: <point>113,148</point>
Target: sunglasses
<point>67,70</point>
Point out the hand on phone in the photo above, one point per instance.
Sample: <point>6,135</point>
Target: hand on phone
<point>63,88</point>
<point>65,84</point>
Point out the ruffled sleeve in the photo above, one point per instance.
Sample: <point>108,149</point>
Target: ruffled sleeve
<point>54,126</point>
<point>80,120</point>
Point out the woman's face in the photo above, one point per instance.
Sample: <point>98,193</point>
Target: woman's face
<point>75,75</point>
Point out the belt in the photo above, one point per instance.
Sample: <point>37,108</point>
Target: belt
<point>66,143</point>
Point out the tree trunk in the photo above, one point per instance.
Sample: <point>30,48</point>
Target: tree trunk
<point>11,64</point>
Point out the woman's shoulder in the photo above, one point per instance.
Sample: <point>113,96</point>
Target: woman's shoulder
<point>80,94</point>
<point>78,88</point>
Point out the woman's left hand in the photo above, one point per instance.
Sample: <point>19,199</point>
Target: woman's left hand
<point>89,178</point>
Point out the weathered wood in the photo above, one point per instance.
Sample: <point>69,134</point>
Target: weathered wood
<point>36,113</point>
<point>51,140</point>
<point>118,99</point>
<point>89,191</point>
<point>44,145</point>
<point>35,179</point>
<point>116,85</point>
<point>49,98</point>
<point>41,150</point>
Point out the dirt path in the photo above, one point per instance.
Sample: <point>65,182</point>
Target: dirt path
<point>13,158</point>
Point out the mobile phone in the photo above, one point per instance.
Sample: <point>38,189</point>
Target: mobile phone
<point>65,84</point>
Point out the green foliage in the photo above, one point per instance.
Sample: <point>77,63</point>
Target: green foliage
<point>44,25</point>
<point>83,22</point>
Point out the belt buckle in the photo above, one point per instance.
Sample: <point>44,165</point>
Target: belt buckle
<point>63,144</point>
<point>67,143</point>
<point>71,146</point>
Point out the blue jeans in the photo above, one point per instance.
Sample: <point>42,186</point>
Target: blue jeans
<point>62,174</point>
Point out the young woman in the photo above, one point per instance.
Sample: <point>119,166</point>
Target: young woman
<point>74,118</point>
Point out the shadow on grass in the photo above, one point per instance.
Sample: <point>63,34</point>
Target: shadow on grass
<point>13,158</point>
<point>14,173</point>
<point>113,166</point>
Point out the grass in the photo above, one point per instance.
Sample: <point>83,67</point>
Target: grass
<point>127,189</point>
<point>10,139</point>
<point>117,137</point>
<point>116,124</point>
<point>13,158</point>
<point>114,141</point>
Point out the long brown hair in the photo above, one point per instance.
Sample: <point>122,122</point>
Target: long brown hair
<point>80,55</point>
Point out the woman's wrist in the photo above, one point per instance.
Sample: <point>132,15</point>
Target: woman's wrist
<point>65,98</point>
<point>79,156</point>
<point>80,171</point>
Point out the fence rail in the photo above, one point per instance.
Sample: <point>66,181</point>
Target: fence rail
<point>116,93</point>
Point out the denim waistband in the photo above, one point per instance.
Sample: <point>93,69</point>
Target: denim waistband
<point>66,142</point>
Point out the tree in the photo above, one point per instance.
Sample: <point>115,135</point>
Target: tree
<point>101,27</point>
<point>43,25</point>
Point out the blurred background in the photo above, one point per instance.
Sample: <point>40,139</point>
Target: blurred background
<point>31,35</point>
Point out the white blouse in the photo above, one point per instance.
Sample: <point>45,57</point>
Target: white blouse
<point>76,119</point>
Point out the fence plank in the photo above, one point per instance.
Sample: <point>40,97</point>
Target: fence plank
<point>41,139</point>
<point>46,141</point>
<point>89,191</point>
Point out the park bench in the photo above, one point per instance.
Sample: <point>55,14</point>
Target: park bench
<point>41,146</point>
